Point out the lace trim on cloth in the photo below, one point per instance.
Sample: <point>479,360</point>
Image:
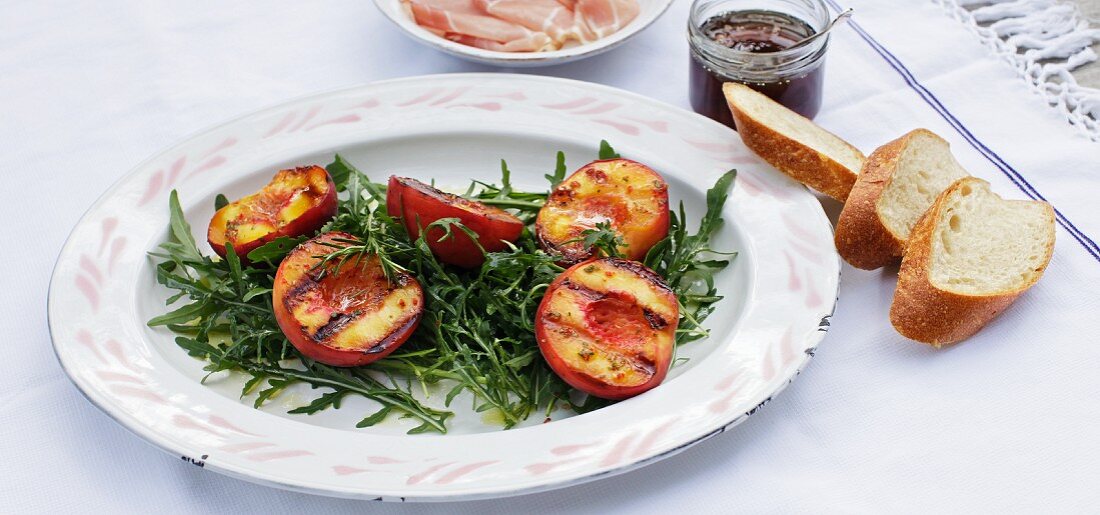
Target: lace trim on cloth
<point>1043,40</point>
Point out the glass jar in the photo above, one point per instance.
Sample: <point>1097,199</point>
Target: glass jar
<point>754,42</point>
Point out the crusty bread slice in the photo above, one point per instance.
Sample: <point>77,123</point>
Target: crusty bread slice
<point>895,187</point>
<point>968,258</point>
<point>792,143</point>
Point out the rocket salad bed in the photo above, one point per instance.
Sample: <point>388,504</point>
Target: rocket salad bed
<point>475,329</point>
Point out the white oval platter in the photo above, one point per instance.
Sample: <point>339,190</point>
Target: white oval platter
<point>780,291</point>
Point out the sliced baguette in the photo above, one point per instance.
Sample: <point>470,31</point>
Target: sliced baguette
<point>898,182</point>
<point>968,258</point>
<point>792,143</point>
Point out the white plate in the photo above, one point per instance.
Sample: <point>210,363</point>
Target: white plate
<point>780,290</point>
<point>650,11</point>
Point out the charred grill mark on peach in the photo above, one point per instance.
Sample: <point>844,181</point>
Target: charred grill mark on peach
<point>337,322</point>
<point>391,340</point>
<point>642,270</point>
<point>306,285</point>
<point>608,328</point>
<point>583,290</point>
<point>655,321</point>
<point>346,314</point>
<point>296,202</point>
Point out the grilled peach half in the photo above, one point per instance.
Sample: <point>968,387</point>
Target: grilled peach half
<point>296,202</point>
<point>343,314</point>
<point>419,205</point>
<point>608,327</point>
<point>627,194</point>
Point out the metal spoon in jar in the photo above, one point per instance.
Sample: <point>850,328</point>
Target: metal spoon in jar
<point>836,21</point>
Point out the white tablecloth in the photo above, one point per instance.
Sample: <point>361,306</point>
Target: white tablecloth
<point>1008,421</point>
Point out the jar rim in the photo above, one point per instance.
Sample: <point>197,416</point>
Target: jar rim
<point>713,50</point>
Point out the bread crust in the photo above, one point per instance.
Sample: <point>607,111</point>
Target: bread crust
<point>799,161</point>
<point>861,238</point>
<point>925,313</point>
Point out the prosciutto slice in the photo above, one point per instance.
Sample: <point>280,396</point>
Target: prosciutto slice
<point>477,26</point>
<point>452,6</point>
<point>606,17</point>
<point>548,16</point>
<point>522,25</point>
<point>532,44</point>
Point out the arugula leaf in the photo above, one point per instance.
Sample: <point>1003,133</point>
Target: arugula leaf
<point>325,401</point>
<point>375,418</point>
<point>604,239</point>
<point>340,170</point>
<point>559,171</point>
<point>220,201</point>
<point>684,260</point>
<point>275,250</point>
<point>180,231</point>
<point>606,152</point>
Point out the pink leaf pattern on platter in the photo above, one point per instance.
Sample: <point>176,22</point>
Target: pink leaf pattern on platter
<point>600,109</point>
<point>184,422</point>
<point>107,227</point>
<point>305,119</point>
<point>156,182</point>
<point>225,424</point>
<point>618,451</point>
<point>109,376</point>
<point>89,267</point>
<point>117,247</point>
<point>511,95</point>
<point>767,369</point>
<point>572,104</point>
<point>174,171</point>
<point>651,438</point>
<point>539,468</point>
<point>455,93</point>
<point>210,164</point>
<point>421,98</point>
<point>426,473</point>
<point>369,103</point>
<point>813,298</point>
<point>794,283</point>
<point>455,474</point>
<point>383,460</point>
<point>85,338</point>
<point>237,448</point>
<point>485,106</point>
<point>625,128</point>
<point>565,450</point>
<point>349,118</point>
<point>89,291</point>
<point>655,125</point>
<point>283,123</point>
<point>786,348</point>
<point>139,393</point>
<point>226,143</point>
<point>278,455</point>
<point>345,470</point>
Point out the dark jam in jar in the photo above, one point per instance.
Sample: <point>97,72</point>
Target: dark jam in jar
<point>755,32</point>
